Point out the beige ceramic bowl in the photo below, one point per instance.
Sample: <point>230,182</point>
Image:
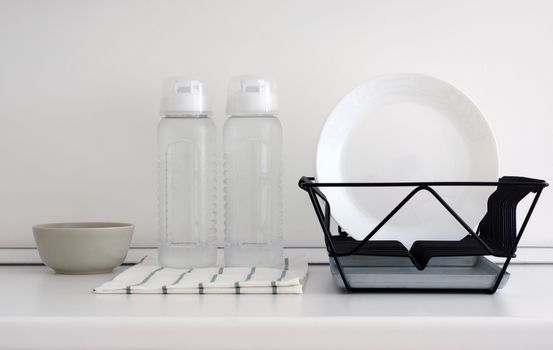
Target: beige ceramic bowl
<point>83,247</point>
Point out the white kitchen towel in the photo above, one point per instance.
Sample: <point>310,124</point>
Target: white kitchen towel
<point>147,277</point>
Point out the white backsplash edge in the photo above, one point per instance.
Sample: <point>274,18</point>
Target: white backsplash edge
<point>315,255</point>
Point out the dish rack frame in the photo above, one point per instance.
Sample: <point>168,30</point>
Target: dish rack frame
<point>312,187</point>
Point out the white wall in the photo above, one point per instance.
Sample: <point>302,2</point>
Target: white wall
<point>80,88</point>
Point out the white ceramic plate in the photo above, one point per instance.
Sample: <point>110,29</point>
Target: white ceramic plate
<point>406,127</point>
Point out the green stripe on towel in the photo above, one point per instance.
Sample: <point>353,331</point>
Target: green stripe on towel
<point>285,270</point>
<point>217,274</point>
<point>181,276</point>
<point>164,288</point>
<point>128,289</point>
<point>249,277</point>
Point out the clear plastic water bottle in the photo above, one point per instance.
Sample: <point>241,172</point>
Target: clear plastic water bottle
<point>252,165</point>
<point>186,141</point>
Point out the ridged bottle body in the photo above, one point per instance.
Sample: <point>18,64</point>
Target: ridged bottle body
<point>187,203</point>
<point>253,198</point>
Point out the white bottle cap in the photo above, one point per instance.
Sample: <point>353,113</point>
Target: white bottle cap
<point>183,96</point>
<point>251,95</point>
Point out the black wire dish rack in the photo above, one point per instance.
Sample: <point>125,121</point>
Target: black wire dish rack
<point>429,266</point>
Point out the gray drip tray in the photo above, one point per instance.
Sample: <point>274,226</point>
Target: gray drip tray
<point>468,272</point>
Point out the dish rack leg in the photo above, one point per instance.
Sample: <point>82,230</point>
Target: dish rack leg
<point>342,274</point>
<point>500,276</point>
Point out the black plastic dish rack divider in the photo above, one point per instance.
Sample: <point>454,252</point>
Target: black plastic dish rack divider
<point>496,234</point>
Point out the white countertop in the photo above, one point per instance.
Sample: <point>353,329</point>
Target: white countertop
<point>39,309</point>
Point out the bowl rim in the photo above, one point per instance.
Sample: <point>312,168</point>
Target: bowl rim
<point>83,225</point>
